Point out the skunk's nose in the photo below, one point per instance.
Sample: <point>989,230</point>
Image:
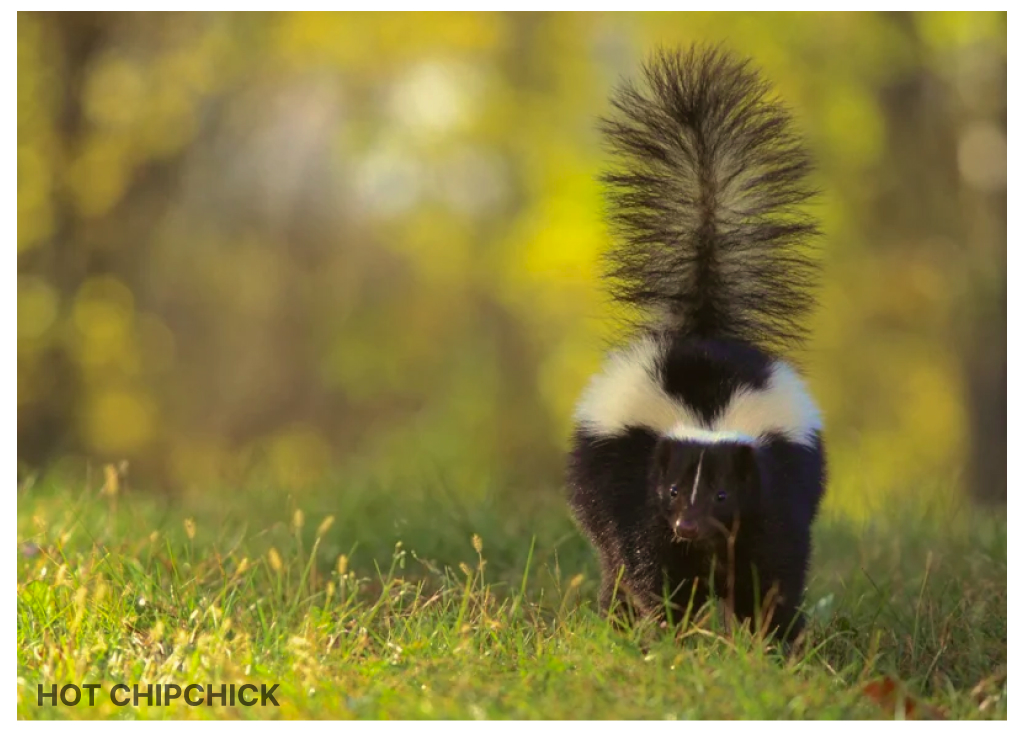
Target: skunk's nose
<point>685,529</point>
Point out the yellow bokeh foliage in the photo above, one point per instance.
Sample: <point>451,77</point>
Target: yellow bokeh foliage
<point>310,240</point>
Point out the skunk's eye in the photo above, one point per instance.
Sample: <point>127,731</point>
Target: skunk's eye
<point>673,490</point>
<point>721,496</point>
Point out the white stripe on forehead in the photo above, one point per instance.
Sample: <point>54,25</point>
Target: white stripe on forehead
<point>628,392</point>
<point>696,480</point>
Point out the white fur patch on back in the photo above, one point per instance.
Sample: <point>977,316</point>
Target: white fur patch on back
<point>628,393</point>
<point>784,406</point>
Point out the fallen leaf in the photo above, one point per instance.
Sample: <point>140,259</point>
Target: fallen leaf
<point>893,698</point>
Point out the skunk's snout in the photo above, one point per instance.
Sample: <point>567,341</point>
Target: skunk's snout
<point>685,529</point>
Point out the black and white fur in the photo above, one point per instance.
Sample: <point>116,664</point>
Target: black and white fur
<point>697,464</point>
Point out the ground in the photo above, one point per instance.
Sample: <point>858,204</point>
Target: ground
<point>369,602</point>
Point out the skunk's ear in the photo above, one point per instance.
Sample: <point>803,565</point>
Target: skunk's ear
<point>745,465</point>
<point>662,457</point>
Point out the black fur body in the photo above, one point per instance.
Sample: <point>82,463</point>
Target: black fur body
<point>697,465</point>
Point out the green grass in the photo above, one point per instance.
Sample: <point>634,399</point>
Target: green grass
<point>115,590</point>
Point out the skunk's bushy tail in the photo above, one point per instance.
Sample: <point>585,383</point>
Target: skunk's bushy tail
<point>706,202</point>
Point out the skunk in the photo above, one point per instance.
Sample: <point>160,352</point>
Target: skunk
<point>697,464</point>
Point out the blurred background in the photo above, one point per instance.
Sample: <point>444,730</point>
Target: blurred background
<point>307,246</point>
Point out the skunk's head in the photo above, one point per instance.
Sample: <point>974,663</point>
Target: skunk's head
<point>703,490</point>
